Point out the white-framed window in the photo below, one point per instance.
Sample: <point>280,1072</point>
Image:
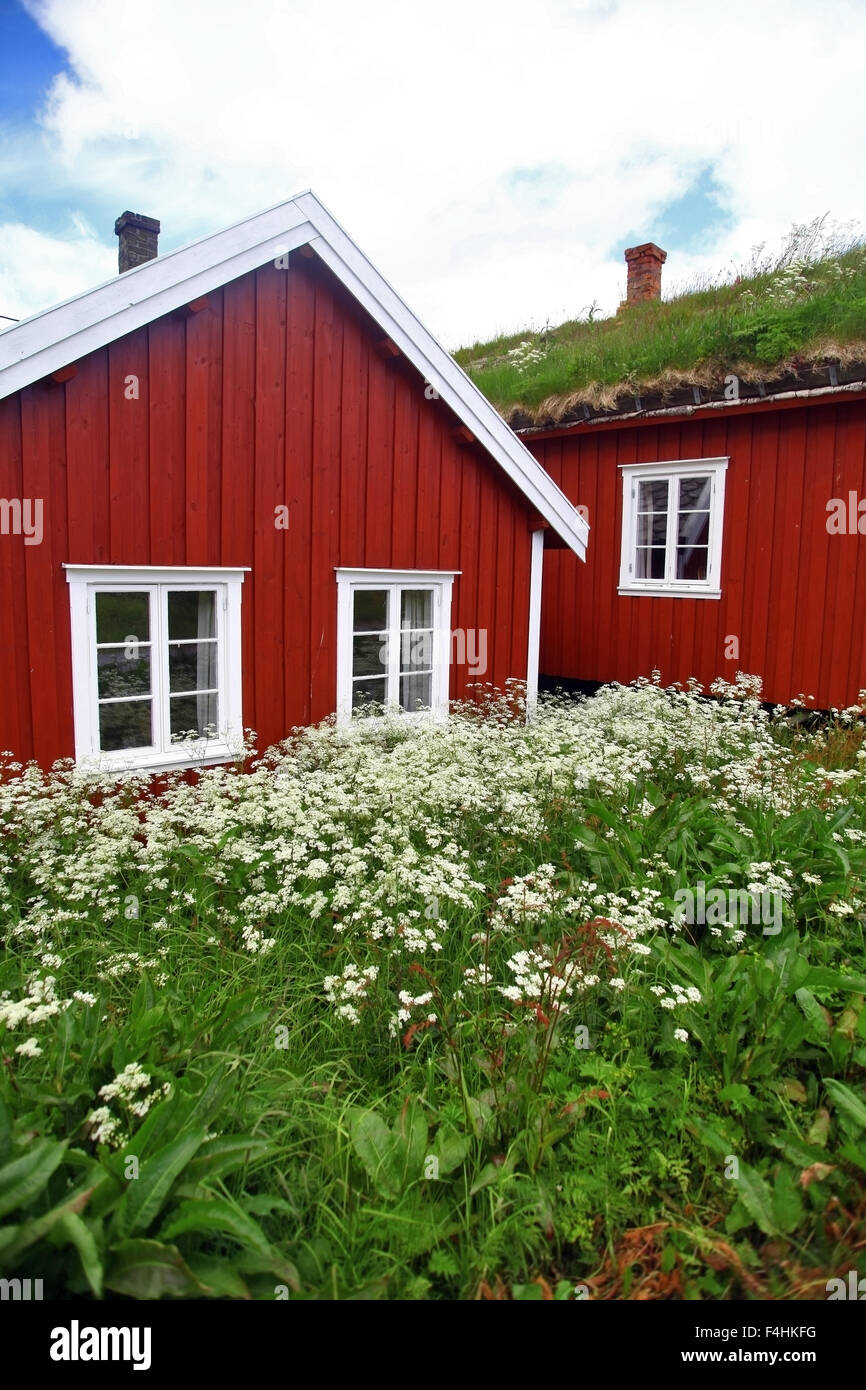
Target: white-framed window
<point>672,516</point>
<point>393,640</point>
<point>156,665</point>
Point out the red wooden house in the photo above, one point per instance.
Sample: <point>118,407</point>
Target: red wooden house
<point>727,531</point>
<point>242,487</point>
<point>725,539</point>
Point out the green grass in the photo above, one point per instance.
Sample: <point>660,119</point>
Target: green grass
<point>276,963</point>
<point>805,306</point>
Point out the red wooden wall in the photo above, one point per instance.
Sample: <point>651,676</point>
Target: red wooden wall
<point>794,595</point>
<point>272,395</point>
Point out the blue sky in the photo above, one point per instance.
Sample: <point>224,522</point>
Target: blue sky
<point>494,168</point>
<point>30,61</point>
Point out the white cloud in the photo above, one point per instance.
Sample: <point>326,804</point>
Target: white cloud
<point>38,270</point>
<point>491,157</point>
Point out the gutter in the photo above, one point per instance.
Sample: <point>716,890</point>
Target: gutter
<point>738,403</point>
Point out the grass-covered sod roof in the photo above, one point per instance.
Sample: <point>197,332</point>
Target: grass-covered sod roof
<point>779,316</point>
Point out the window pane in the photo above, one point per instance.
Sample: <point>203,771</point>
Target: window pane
<point>416,608</point>
<point>192,666</point>
<point>695,494</point>
<point>692,562</point>
<point>371,610</point>
<point>369,655</point>
<point>416,650</point>
<point>693,528</point>
<point>191,614</point>
<point>652,528</point>
<point>653,496</point>
<point>365,691</point>
<point>650,564</point>
<point>126,725</point>
<point>193,714</point>
<point>416,692</point>
<point>123,670</point>
<point>122,616</point>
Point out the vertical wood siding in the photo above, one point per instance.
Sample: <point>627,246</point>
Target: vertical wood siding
<point>273,395</point>
<point>792,594</point>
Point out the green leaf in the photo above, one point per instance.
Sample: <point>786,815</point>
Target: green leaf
<point>490,1173</point>
<point>480,1113</point>
<point>847,1101</point>
<point>450,1148</point>
<point>256,1018</point>
<point>148,1269</point>
<point>30,1232</point>
<point>756,1198</point>
<point>852,1154</point>
<point>527,1293</point>
<point>819,1128</point>
<point>797,1152</point>
<point>374,1144</point>
<point>787,1202</point>
<point>161,1124</point>
<point>262,1204</point>
<point>209,1101</point>
<point>710,1137</point>
<point>820,977</point>
<point>413,1139</point>
<point>146,1193</point>
<point>217,1214</point>
<point>792,1089</point>
<point>5,1131</point>
<point>269,1262</point>
<point>736,1093</point>
<point>25,1177</point>
<point>72,1230</point>
<point>218,1278</point>
<point>225,1154</point>
<point>814,1013</point>
<point>794,972</point>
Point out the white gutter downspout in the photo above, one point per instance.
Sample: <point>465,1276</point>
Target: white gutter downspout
<point>536,569</point>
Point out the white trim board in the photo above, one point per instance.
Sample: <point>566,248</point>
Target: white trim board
<point>56,337</point>
<point>536,572</point>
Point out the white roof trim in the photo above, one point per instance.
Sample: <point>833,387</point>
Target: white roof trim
<point>56,337</point>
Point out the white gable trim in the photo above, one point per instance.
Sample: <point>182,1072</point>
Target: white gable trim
<point>56,337</point>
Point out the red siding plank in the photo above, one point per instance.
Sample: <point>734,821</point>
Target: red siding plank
<point>325,529</point>
<point>167,441</point>
<point>129,490</point>
<point>16,722</point>
<point>268,588</point>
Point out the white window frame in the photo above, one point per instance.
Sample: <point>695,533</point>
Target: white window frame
<point>85,581</point>
<point>670,586</point>
<point>441,582</point>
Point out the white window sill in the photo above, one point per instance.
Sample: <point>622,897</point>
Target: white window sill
<point>634,592</point>
<point>119,763</point>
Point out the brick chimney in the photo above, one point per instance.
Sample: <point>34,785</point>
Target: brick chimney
<point>138,239</point>
<point>644,272</point>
